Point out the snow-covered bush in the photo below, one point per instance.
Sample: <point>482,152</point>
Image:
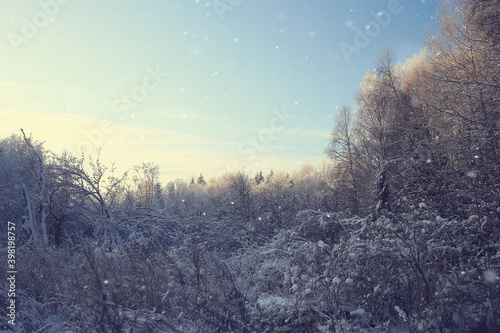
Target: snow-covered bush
<point>316,226</point>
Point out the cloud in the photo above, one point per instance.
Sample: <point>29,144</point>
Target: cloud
<point>178,113</point>
<point>9,84</point>
<point>45,126</point>
<point>317,133</point>
<point>178,153</point>
<point>124,145</point>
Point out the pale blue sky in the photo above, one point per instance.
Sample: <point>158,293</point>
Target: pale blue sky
<point>229,76</point>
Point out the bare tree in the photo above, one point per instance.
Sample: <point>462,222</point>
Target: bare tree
<point>146,179</point>
<point>92,185</point>
<point>36,203</point>
<point>241,185</point>
<point>464,75</point>
<point>342,149</point>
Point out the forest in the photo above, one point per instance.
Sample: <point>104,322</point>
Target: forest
<point>398,230</point>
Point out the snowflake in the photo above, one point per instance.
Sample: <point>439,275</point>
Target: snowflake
<point>491,276</point>
<point>472,174</point>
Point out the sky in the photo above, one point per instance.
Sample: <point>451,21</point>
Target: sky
<point>194,86</point>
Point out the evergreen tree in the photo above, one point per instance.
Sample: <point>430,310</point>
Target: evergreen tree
<point>259,178</point>
<point>271,174</point>
<point>201,181</point>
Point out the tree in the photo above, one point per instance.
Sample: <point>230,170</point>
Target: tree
<point>176,196</point>
<point>240,187</point>
<point>158,198</point>
<point>91,186</point>
<point>342,149</point>
<point>201,181</point>
<point>269,176</point>
<point>259,178</point>
<point>465,69</point>
<point>485,14</point>
<point>11,176</point>
<point>278,198</point>
<point>147,181</point>
<point>394,132</point>
<point>197,199</point>
<point>24,187</point>
<point>376,118</point>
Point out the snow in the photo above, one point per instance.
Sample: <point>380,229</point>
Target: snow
<point>401,313</point>
<point>358,312</point>
<point>271,303</point>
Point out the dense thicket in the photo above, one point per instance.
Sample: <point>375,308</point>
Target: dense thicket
<point>399,232</point>
<point>428,130</point>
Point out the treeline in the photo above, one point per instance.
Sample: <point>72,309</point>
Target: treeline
<point>428,130</point>
<point>49,192</point>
